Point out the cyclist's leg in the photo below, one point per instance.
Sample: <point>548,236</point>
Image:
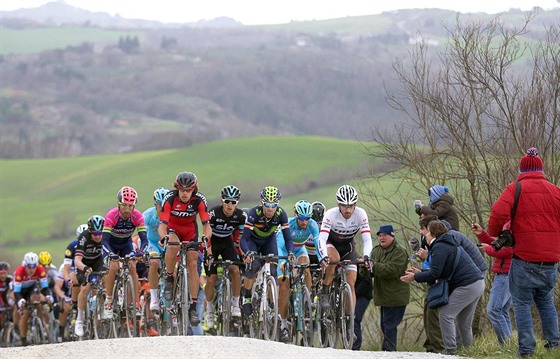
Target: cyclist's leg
<point>153,275</point>
<point>334,256</point>
<point>230,253</point>
<point>108,252</point>
<point>171,253</point>
<point>194,277</point>
<point>249,278</point>
<point>303,258</point>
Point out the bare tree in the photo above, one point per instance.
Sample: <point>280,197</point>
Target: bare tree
<point>473,108</point>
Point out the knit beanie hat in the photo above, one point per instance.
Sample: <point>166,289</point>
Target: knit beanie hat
<point>436,192</point>
<point>531,161</point>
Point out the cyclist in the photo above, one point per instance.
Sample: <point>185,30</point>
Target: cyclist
<point>336,238</point>
<point>120,223</point>
<point>6,292</point>
<point>45,259</point>
<point>178,224</point>
<point>311,243</point>
<point>259,237</point>
<point>302,227</point>
<point>227,222</point>
<point>88,258</point>
<point>26,277</point>
<point>152,221</point>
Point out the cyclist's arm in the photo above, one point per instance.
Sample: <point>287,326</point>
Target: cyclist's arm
<point>58,288</point>
<point>78,262</point>
<point>365,232</point>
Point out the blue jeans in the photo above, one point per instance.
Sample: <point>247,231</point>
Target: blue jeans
<point>390,319</point>
<point>498,306</point>
<point>361,306</point>
<point>530,282</point>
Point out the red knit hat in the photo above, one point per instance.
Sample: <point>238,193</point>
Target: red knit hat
<point>531,161</point>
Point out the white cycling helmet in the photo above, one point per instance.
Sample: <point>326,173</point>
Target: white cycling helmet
<point>346,195</point>
<point>80,229</point>
<point>30,258</point>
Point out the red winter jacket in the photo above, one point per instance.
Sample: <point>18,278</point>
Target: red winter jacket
<point>536,226</point>
<point>502,258</point>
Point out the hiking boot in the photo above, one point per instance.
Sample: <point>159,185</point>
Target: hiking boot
<point>235,312</point>
<point>325,302</point>
<point>79,329</point>
<point>210,319</point>
<point>168,291</point>
<point>193,318</point>
<point>285,336</point>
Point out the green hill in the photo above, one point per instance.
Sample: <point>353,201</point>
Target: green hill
<point>43,201</point>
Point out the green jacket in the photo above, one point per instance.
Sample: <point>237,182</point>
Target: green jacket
<point>389,264</point>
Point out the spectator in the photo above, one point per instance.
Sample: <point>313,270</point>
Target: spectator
<point>534,266</point>
<point>389,292</point>
<point>441,205</point>
<point>499,301</point>
<point>465,286</point>
<point>364,294</point>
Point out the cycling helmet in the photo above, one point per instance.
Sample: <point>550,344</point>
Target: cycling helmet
<point>346,195</point>
<point>4,266</point>
<point>159,195</point>
<point>127,195</point>
<point>186,180</point>
<point>30,258</point>
<point>231,192</point>
<point>95,223</point>
<point>303,208</point>
<point>80,229</point>
<point>318,211</point>
<point>45,258</point>
<point>270,194</point>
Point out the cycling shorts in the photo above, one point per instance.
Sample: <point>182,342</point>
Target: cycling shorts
<point>224,248</point>
<point>96,266</point>
<point>119,249</point>
<point>298,252</point>
<point>268,246</point>
<point>346,252</point>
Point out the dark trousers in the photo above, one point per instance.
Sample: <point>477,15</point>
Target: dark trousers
<point>361,306</point>
<point>434,340</point>
<point>390,319</point>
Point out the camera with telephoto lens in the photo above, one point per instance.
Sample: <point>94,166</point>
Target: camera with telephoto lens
<point>505,239</point>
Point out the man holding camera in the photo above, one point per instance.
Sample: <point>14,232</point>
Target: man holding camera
<point>536,250</point>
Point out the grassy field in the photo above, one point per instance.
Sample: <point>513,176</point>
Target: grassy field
<point>34,40</point>
<point>43,201</point>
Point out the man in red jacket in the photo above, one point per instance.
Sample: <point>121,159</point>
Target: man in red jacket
<point>536,252</point>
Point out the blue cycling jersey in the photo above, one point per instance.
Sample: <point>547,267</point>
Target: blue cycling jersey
<point>299,237</point>
<point>152,222</point>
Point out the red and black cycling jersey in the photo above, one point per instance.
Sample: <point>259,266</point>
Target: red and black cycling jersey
<point>180,217</point>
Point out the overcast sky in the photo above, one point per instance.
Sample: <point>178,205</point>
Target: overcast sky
<point>251,12</point>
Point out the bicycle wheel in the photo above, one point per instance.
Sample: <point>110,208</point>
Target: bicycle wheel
<point>327,324</point>
<point>183,301</point>
<point>307,319</point>
<point>254,319</point>
<point>8,337</point>
<point>270,310</point>
<point>224,308</point>
<point>102,328</point>
<point>346,316</point>
<point>129,306</point>
<point>38,331</point>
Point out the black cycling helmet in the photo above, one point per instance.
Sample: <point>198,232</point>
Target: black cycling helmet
<point>95,223</point>
<point>186,180</point>
<point>318,211</point>
<point>4,266</point>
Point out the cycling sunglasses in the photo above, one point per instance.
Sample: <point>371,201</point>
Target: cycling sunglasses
<point>304,218</point>
<point>270,205</point>
<point>230,201</point>
<point>97,233</point>
<point>31,265</point>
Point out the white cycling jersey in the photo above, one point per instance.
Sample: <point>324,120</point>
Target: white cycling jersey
<point>337,229</point>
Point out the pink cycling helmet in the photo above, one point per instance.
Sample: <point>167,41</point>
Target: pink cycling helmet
<point>127,195</point>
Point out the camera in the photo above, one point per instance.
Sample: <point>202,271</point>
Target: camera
<point>505,239</point>
<point>418,204</point>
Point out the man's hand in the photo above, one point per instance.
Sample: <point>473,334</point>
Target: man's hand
<point>21,304</point>
<point>49,299</point>
<point>292,258</point>
<point>249,257</point>
<point>163,240</point>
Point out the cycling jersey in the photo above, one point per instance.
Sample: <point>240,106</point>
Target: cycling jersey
<point>69,254</point>
<point>181,217</point>
<point>90,250</point>
<point>25,283</point>
<point>337,230</point>
<point>224,227</point>
<point>260,229</point>
<point>152,222</point>
<point>5,287</point>
<point>65,289</point>
<point>52,274</point>
<point>299,237</point>
<point>117,232</point>
<point>312,243</point>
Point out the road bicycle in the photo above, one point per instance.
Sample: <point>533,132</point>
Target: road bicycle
<point>166,319</point>
<point>227,326</point>
<point>124,301</point>
<point>337,321</point>
<point>102,326</point>
<point>7,333</point>
<point>263,320</point>
<point>36,331</point>
<point>300,309</point>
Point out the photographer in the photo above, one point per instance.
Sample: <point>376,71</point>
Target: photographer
<point>536,252</point>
